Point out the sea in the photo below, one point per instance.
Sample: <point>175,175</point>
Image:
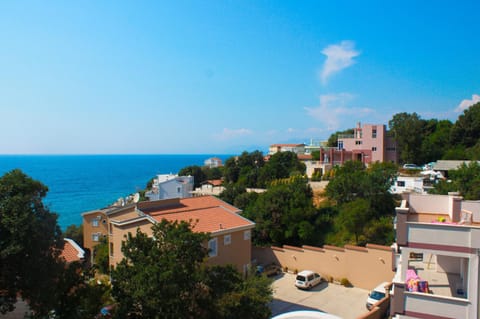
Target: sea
<point>81,183</point>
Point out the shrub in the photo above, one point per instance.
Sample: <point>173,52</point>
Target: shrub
<point>345,282</point>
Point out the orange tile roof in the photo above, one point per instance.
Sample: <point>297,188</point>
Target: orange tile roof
<point>304,156</point>
<point>207,213</point>
<point>215,182</point>
<point>71,253</point>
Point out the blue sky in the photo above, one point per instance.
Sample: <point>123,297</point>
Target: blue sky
<point>187,77</point>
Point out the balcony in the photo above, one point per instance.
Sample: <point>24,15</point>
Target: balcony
<point>439,235</point>
<point>445,295</point>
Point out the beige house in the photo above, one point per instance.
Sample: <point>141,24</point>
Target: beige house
<point>230,232</point>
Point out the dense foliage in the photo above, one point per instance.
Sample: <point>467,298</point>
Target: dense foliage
<point>164,276</point>
<point>465,180</point>
<point>422,141</point>
<point>200,174</point>
<point>30,267</point>
<point>251,170</point>
<point>284,214</point>
<point>364,203</point>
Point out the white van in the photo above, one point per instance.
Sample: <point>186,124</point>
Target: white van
<point>376,294</point>
<point>307,279</point>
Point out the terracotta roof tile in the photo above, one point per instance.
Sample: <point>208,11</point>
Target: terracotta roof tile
<point>207,213</point>
<point>71,253</point>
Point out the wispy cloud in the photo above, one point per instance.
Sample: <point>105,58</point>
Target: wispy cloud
<point>333,108</point>
<point>227,133</point>
<point>339,57</point>
<point>465,104</point>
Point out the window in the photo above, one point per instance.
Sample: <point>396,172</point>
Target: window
<point>179,190</point>
<point>96,237</point>
<point>374,149</point>
<point>95,222</point>
<point>212,247</point>
<point>358,142</point>
<point>227,239</point>
<point>111,229</point>
<point>247,234</point>
<point>340,145</point>
<point>111,249</point>
<point>374,133</point>
<point>401,183</point>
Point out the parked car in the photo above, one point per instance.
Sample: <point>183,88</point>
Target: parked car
<point>307,279</point>
<point>376,294</point>
<point>269,270</point>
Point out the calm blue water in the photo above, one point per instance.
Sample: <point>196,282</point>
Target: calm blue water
<point>80,183</point>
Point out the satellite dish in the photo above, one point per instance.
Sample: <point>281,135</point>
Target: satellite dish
<point>136,197</point>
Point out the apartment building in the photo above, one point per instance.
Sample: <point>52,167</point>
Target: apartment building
<point>436,257</point>
<point>369,143</point>
<point>230,233</point>
<point>167,186</point>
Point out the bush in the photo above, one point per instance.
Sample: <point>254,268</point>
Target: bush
<point>345,282</point>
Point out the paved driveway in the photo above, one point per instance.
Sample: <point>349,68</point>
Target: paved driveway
<point>347,303</point>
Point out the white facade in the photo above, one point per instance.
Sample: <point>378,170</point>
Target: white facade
<point>167,186</point>
<point>213,162</point>
<point>403,184</point>
<point>437,252</point>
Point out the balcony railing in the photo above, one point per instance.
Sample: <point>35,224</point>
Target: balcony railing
<point>441,234</point>
<point>346,136</point>
<point>435,306</point>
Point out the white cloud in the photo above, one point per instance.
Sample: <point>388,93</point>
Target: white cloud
<point>339,57</point>
<point>333,108</point>
<point>465,104</point>
<point>227,133</point>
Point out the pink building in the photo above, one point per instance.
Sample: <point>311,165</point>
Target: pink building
<point>370,143</point>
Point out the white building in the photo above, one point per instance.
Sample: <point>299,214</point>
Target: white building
<point>436,258</point>
<point>408,184</point>
<point>213,162</point>
<point>167,186</point>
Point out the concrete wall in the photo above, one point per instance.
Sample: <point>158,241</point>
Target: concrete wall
<point>237,253</point>
<point>364,267</point>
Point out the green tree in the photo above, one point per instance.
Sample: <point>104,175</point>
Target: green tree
<point>100,256</point>
<point>284,213</point>
<point>333,139</point>
<point>354,216</point>
<point>466,130</point>
<point>231,192</point>
<point>281,165</point>
<point>437,142</point>
<point>212,172</point>
<point>466,180</point>
<point>348,183</point>
<point>165,276</point>
<point>77,295</point>
<point>30,266</point>
<point>29,243</point>
<point>407,130</point>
